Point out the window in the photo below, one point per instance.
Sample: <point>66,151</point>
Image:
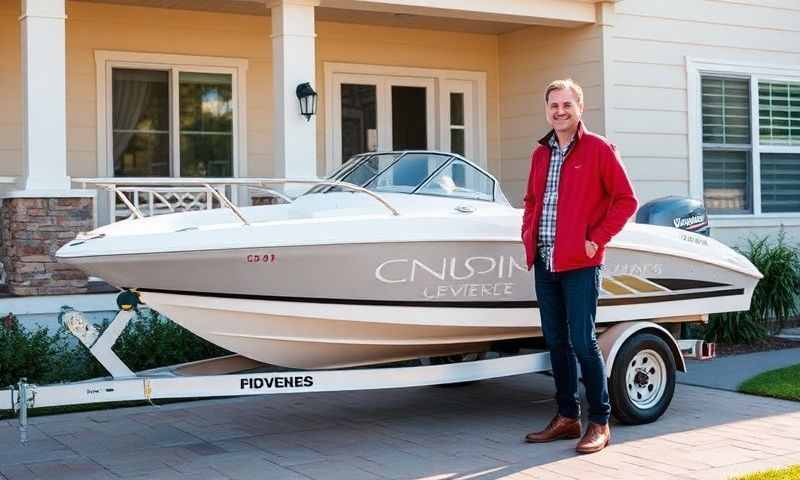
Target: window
<point>140,113</point>
<point>779,125</point>
<point>457,126</point>
<point>779,113</point>
<point>170,115</point>
<point>750,168</point>
<point>205,107</point>
<point>459,129</point>
<point>147,143</point>
<point>726,145</point>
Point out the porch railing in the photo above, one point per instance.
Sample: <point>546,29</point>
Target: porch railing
<point>142,197</point>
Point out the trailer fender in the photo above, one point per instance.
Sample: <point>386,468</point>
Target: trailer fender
<point>611,340</point>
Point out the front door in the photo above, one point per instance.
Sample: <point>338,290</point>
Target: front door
<point>374,113</point>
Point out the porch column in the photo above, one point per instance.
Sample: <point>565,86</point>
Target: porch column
<point>44,213</point>
<point>293,62</point>
<point>44,96</point>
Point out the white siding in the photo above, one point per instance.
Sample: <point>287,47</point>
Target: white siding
<point>647,91</point>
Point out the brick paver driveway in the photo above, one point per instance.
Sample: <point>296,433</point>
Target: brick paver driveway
<point>467,432</point>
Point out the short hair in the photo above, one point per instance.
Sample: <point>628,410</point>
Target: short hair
<point>562,85</point>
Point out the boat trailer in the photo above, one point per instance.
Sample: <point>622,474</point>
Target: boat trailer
<point>234,375</point>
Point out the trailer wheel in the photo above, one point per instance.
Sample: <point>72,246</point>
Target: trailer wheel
<point>642,379</point>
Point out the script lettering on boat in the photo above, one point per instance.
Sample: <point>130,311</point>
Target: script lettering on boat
<point>688,221</point>
<point>483,271</point>
<point>402,270</point>
<point>638,269</point>
<point>469,290</point>
<point>258,383</point>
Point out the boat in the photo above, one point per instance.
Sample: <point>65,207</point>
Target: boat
<point>395,256</point>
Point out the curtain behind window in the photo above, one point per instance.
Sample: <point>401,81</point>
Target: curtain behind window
<point>140,122</point>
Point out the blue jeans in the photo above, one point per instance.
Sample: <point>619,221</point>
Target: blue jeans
<point>568,307</point>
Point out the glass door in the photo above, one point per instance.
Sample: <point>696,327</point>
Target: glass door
<point>409,118</point>
<point>359,119</point>
<point>380,113</point>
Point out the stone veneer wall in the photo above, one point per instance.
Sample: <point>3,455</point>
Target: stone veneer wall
<point>31,231</point>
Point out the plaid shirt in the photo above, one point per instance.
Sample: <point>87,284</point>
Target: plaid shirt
<point>547,223</point>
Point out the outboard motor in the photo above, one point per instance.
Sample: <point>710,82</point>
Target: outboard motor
<point>673,211</point>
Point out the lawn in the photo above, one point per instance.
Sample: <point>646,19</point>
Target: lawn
<point>789,473</point>
<point>782,383</point>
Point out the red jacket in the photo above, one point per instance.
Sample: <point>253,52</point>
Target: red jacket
<point>595,200</point>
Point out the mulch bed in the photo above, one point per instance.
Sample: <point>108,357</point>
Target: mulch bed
<point>771,343</point>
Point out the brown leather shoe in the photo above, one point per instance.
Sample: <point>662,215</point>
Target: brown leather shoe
<point>595,439</point>
<point>558,428</point>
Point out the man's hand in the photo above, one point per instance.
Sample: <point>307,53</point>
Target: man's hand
<point>591,249</point>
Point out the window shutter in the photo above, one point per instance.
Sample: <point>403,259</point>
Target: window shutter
<point>780,182</point>
<point>726,181</point>
<point>726,111</point>
<point>779,113</point>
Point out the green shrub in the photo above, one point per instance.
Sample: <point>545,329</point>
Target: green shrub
<point>775,295</point>
<point>155,341</point>
<point>149,342</point>
<point>734,327</point>
<point>774,298</point>
<point>24,353</point>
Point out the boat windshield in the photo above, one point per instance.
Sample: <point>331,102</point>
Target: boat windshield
<point>408,173</point>
<point>426,173</point>
<point>462,180</point>
<point>367,169</point>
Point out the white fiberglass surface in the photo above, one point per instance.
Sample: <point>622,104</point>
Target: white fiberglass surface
<point>675,242</point>
<point>355,218</point>
<point>347,217</point>
<point>308,207</point>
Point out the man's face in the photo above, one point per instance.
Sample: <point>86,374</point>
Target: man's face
<point>563,110</point>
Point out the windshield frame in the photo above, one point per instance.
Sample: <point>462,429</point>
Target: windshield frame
<point>359,159</point>
<point>452,160</point>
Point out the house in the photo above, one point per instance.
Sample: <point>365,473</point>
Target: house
<point>702,98</point>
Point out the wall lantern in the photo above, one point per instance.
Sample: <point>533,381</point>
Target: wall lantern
<point>308,100</point>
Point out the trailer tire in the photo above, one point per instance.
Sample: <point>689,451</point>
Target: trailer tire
<point>642,379</point>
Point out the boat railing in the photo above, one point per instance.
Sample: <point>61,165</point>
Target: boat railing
<point>149,196</point>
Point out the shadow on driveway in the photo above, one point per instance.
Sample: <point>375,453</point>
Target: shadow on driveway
<point>467,432</point>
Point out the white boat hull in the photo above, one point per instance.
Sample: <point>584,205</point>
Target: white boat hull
<point>364,289</point>
<point>299,339</point>
<point>335,335</point>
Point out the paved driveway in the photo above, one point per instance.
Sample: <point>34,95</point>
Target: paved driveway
<point>469,432</point>
<point>727,373</point>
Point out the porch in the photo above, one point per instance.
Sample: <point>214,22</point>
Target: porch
<point>157,89</point>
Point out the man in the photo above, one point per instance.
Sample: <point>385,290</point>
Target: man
<point>578,198</point>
